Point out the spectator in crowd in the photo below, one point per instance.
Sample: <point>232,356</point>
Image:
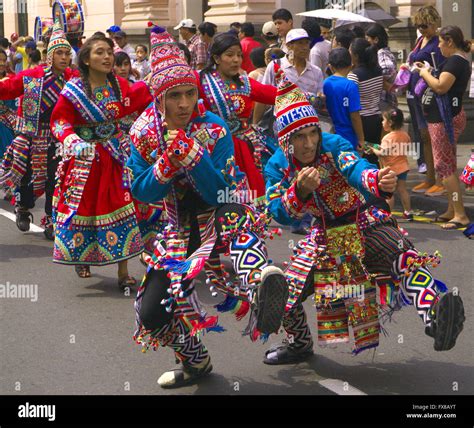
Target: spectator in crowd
<point>343,98</point>
<point>343,37</point>
<point>378,37</point>
<point>207,31</point>
<point>358,31</point>
<point>320,47</point>
<point>120,38</point>
<point>452,82</point>
<point>34,58</point>
<point>234,28</point>
<point>427,20</point>
<point>393,153</point>
<point>197,48</point>
<point>257,56</point>
<point>24,51</point>
<point>270,34</point>
<point>325,31</point>
<point>368,76</point>
<point>5,46</point>
<point>123,66</point>
<point>112,30</point>
<point>283,20</point>
<point>141,64</point>
<point>247,31</point>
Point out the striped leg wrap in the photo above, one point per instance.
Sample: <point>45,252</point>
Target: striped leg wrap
<point>187,348</point>
<point>297,329</point>
<point>417,284</point>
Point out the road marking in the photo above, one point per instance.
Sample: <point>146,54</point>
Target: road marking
<point>12,217</point>
<point>340,387</point>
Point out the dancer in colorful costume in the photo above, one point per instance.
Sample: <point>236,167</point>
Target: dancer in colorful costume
<point>350,240</point>
<point>231,96</point>
<point>94,212</point>
<point>29,166</point>
<point>183,154</point>
<point>7,110</point>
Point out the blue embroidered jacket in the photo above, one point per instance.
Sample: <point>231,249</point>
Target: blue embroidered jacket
<point>347,182</point>
<point>207,159</point>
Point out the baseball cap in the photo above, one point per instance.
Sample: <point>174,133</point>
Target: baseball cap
<point>113,29</point>
<point>296,34</point>
<point>30,45</point>
<point>269,29</point>
<point>185,23</point>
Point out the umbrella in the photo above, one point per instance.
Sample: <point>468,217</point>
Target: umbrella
<point>336,14</point>
<point>376,14</point>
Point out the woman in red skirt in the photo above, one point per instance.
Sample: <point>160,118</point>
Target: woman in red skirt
<point>95,216</point>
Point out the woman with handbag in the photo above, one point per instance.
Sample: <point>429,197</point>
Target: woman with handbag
<point>452,81</point>
<point>427,20</point>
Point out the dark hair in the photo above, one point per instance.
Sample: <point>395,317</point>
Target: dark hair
<point>4,42</point>
<point>311,25</point>
<point>283,14</point>
<point>377,30</point>
<point>456,35</point>
<point>340,58</point>
<point>344,36</point>
<point>248,29</point>
<point>235,24</point>
<point>366,53</point>
<point>121,57</point>
<point>84,55</point>
<point>275,53</point>
<point>35,56</point>
<point>222,42</point>
<point>143,47</point>
<point>257,56</point>
<point>207,28</point>
<point>185,49</point>
<point>192,30</point>
<point>358,31</point>
<point>2,52</point>
<point>395,118</point>
<point>97,34</point>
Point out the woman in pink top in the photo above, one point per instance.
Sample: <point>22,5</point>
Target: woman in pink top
<point>393,153</point>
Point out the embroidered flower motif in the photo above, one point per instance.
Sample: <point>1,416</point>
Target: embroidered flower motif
<point>78,239</point>
<point>29,107</point>
<point>106,93</point>
<point>99,96</point>
<point>111,238</point>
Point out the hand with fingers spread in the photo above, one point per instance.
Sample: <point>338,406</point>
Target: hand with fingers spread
<point>387,180</point>
<point>308,181</point>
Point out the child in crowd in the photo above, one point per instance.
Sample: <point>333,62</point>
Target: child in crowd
<point>257,56</point>
<point>123,66</point>
<point>343,99</point>
<point>141,64</point>
<point>393,153</point>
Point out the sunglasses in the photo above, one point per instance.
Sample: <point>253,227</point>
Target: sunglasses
<point>422,26</point>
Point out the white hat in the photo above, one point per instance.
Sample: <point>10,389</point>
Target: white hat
<point>296,34</point>
<point>269,29</point>
<point>185,23</point>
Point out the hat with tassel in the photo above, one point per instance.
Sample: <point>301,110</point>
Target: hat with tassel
<point>168,64</point>
<point>293,111</point>
<point>58,40</point>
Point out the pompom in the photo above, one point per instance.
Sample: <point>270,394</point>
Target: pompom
<point>156,29</point>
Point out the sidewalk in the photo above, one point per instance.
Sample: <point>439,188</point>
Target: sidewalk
<point>440,203</point>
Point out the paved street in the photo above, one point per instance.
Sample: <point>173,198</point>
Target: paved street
<point>37,356</point>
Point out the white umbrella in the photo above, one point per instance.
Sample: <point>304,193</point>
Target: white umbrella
<point>336,14</point>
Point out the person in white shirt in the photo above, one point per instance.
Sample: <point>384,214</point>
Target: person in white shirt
<point>120,38</point>
<point>320,47</point>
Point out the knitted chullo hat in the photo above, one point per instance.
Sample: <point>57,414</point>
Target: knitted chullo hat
<point>57,40</point>
<point>292,110</point>
<point>168,65</point>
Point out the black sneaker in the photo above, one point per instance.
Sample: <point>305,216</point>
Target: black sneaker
<point>23,219</point>
<point>447,323</point>
<point>286,353</point>
<point>272,295</point>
